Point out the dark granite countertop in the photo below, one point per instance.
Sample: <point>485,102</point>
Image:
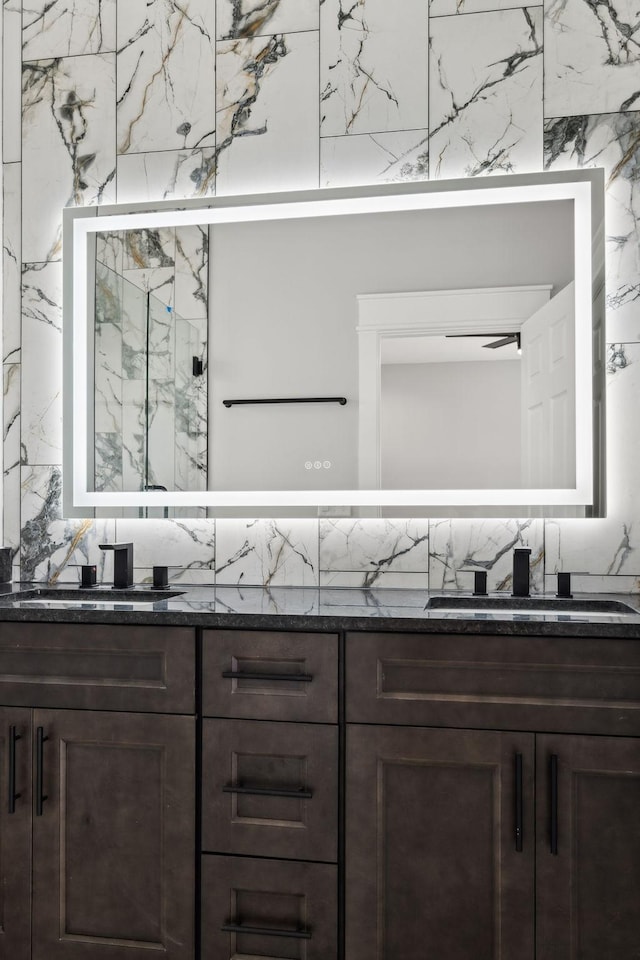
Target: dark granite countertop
<point>328,609</point>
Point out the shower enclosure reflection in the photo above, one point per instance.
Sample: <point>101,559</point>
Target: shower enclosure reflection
<point>150,383</point>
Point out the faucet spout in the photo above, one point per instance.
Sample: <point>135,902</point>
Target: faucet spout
<point>521,572</point>
<point>122,564</point>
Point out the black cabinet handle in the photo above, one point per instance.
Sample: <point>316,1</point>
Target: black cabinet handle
<point>553,803</point>
<point>300,794</point>
<point>40,795</point>
<point>240,675</point>
<point>266,931</point>
<point>519,802</point>
<point>13,796</point>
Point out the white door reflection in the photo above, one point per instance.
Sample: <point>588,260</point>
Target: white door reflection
<point>460,408</point>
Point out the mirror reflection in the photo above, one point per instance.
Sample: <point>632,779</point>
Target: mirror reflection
<point>410,349</point>
<point>189,317</point>
<point>150,360</point>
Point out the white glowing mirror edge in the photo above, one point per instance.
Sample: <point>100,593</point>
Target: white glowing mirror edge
<point>80,225</point>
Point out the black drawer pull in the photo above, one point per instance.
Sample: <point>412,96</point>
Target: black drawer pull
<point>239,675</point>
<point>519,802</point>
<point>300,794</point>
<point>266,931</point>
<point>40,794</point>
<point>13,796</point>
<point>553,803</point>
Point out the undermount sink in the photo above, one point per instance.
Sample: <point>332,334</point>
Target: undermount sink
<point>539,603</point>
<point>92,596</point>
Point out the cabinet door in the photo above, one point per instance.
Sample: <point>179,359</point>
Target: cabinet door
<point>113,849</point>
<point>588,892</point>
<point>432,866</point>
<point>15,834</point>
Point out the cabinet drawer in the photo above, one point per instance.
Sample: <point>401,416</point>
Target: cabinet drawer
<point>270,789</point>
<point>567,684</point>
<point>268,908</point>
<point>251,674</point>
<point>98,667</point>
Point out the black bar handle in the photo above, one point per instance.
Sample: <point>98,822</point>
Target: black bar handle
<point>266,931</point>
<point>13,796</point>
<point>519,802</point>
<point>236,403</point>
<point>553,803</point>
<point>240,675</point>
<point>300,794</point>
<point>40,794</point>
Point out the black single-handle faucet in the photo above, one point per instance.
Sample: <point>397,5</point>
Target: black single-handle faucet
<point>521,572</point>
<point>122,564</point>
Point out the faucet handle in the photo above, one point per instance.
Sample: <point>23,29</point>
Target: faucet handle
<point>564,586</point>
<point>480,583</point>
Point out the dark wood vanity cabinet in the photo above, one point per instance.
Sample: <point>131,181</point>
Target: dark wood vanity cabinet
<point>498,842</point>
<point>269,795</point>
<point>470,797</point>
<point>97,821</point>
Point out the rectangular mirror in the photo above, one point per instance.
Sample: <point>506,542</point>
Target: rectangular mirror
<point>417,349</point>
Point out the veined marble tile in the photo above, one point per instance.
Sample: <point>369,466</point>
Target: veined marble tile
<point>372,549</point>
<point>591,57</point>
<point>110,250</point>
<point>611,141</point>
<point>133,434</point>
<point>149,248</point>
<point>457,548</point>
<point>267,552</point>
<point>188,544</point>
<point>158,281</point>
<point>374,158</point>
<point>485,108</point>
<point>11,511</point>
<point>42,363</point>
<point>11,416</point>
<point>447,8</point>
<point>108,462</point>
<point>108,379</point>
<point>267,124</point>
<point>192,270</point>
<point>609,546</point>
<point>11,456</point>
<point>166,175</point>
<point>11,262</point>
<point>384,578</point>
<point>178,576</point>
<point>161,340</point>
<point>241,19</point>
<point>11,67</point>
<point>373,74</point>
<point>49,543</point>
<point>161,451</point>
<point>596,584</point>
<point>166,75</point>
<point>68,156</point>
<point>52,28</point>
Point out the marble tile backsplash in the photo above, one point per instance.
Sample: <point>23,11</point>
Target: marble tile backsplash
<point>107,101</point>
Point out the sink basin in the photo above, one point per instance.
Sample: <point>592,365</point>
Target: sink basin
<point>92,596</point>
<point>551,604</point>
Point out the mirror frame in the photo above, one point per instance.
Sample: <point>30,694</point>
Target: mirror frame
<point>584,187</point>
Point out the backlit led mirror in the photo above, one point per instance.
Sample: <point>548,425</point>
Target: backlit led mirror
<point>414,349</point>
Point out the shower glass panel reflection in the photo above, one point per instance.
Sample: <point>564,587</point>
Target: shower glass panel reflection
<point>150,392</point>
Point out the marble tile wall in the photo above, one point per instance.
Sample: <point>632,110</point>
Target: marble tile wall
<point>109,101</point>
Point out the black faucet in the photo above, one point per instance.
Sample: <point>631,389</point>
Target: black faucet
<point>521,572</point>
<point>122,564</point>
